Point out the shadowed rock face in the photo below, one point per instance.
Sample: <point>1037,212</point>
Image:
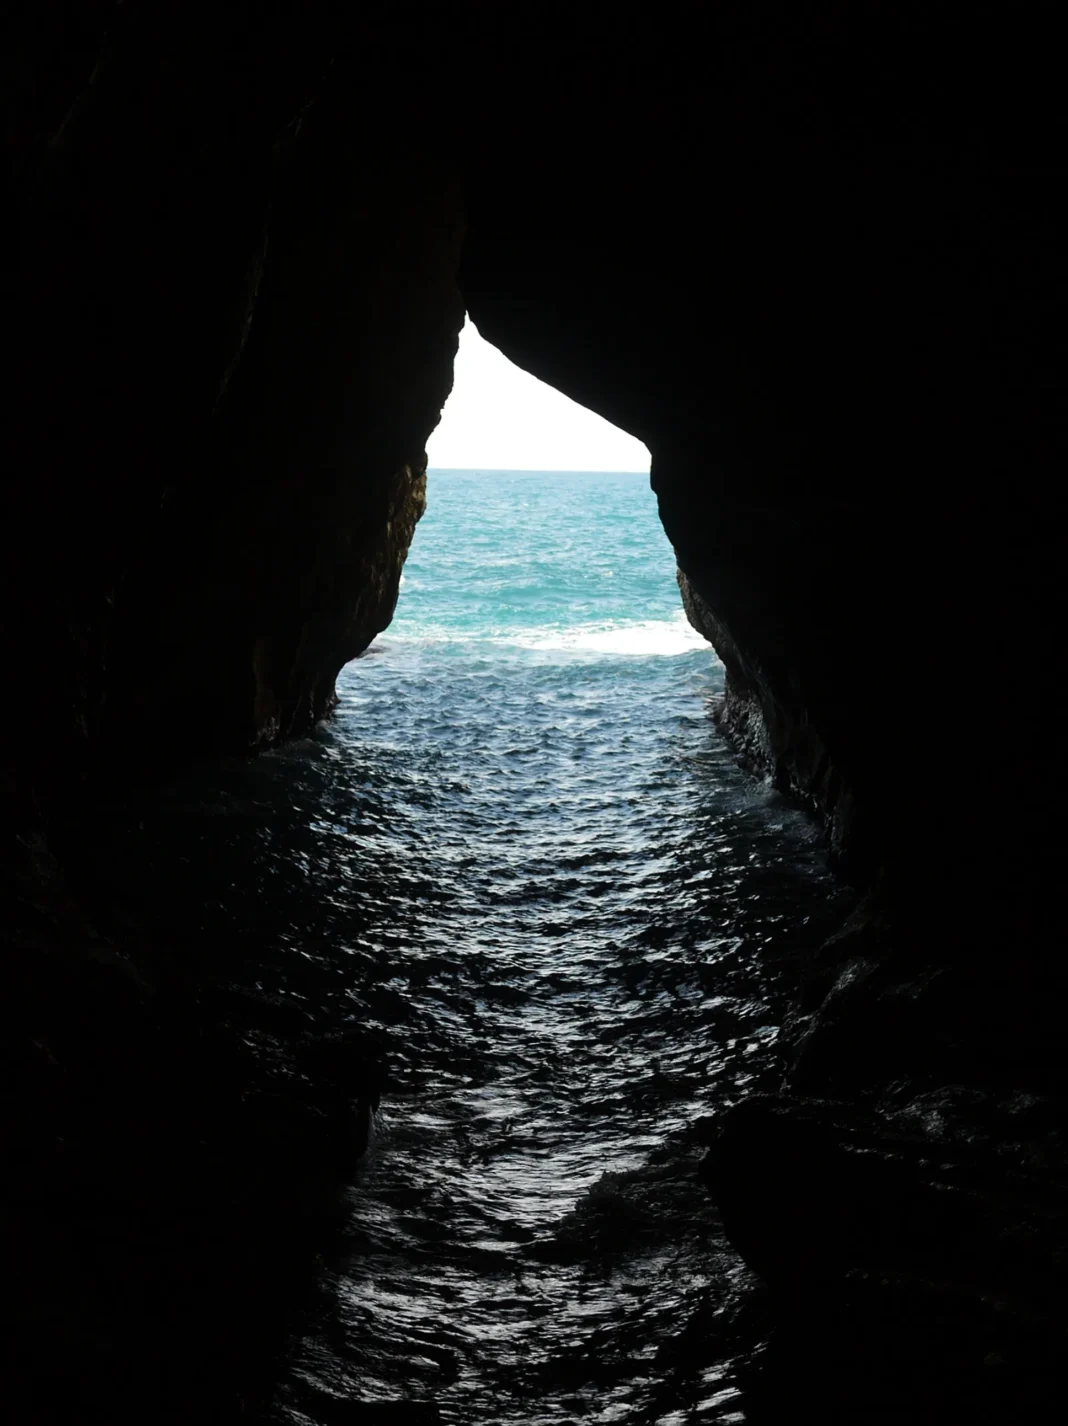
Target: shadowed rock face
<point>808,253</point>
<point>808,256</point>
<point>251,320</point>
<point>777,741</point>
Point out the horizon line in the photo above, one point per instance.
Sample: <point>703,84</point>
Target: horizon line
<point>529,470</point>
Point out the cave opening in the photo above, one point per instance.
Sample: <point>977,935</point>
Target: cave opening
<point>519,889</point>
<point>465,972</point>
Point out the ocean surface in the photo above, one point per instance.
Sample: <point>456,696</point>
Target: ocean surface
<point>521,860</point>
<point>581,912</point>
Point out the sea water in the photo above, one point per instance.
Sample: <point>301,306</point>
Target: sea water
<point>521,872</point>
<point>523,858</point>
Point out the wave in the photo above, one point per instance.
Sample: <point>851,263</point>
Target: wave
<point>644,638</point>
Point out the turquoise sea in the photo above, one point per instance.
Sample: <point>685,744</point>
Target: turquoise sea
<point>572,567</point>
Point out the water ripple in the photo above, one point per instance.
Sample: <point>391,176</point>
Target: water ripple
<point>530,877</point>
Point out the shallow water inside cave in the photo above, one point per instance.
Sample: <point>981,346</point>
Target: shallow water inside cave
<point>524,866</point>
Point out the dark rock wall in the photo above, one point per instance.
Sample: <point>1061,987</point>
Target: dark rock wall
<point>778,742</point>
<point>313,470</point>
<point>808,254</point>
<point>231,316</point>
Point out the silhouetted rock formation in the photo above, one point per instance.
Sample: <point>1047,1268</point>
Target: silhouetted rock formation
<point>809,253</point>
<point>775,740</point>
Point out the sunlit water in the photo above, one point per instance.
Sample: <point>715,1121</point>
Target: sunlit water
<point>523,860</point>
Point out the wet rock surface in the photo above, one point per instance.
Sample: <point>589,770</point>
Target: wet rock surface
<point>173,1158</point>
<point>914,1248</point>
<point>777,742</point>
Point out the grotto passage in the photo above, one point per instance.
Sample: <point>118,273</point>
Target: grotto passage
<point>521,868</point>
<point>812,257</point>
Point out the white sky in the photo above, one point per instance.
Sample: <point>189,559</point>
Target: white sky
<point>502,418</point>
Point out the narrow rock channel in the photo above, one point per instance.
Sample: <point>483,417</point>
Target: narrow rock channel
<point>520,892</point>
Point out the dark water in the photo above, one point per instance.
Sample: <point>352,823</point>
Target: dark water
<point>522,863</point>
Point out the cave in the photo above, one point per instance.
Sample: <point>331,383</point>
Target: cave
<point>811,256</point>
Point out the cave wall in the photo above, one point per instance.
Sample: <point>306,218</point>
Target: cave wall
<point>821,284</point>
<point>775,741</point>
<point>232,310</point>
<point>314,466</point>
<point>808,254</point>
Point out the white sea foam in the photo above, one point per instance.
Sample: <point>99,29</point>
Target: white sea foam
<point>646,638</point>
<point>640,639</point>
